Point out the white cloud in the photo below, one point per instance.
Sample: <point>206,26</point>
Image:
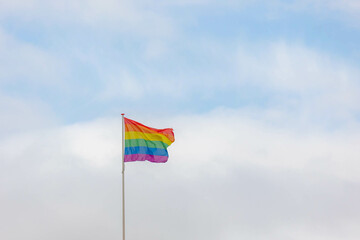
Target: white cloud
<point>235,138</point>
<point>24,62</point>
<point>226,169</point>
<point>344,10</point>
<point>120,84</point>
<point>97,142</point>
<point>22,115</point>
<point>303,79</point>
<point>347,6</point>
<point>146,17</point>
<point>130,16</point>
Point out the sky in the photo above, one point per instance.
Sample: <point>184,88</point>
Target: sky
<point>263,97</point>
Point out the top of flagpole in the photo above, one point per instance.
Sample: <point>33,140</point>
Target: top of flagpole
<point>123,114</point>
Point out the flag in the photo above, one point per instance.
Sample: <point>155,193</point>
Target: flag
<point>146,143</point>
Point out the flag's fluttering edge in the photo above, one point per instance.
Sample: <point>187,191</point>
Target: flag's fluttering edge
<point>146,143</point>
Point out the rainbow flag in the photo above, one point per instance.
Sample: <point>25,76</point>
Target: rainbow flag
<point>146,143</point>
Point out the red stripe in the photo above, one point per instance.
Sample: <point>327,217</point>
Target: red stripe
<point>133,126</point>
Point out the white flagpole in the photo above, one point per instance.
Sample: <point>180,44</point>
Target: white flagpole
<point>123,176</point>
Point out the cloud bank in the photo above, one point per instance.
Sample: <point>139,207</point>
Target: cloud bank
<point>228,176</point>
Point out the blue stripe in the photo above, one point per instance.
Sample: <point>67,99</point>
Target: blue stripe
<point>146,150</point>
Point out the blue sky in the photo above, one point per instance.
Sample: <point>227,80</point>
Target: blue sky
<point>263,97</point>
<point>188,46</point>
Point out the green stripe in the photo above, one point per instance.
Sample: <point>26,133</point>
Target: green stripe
<point>145,143</point>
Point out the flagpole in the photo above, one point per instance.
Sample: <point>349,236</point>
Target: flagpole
<point>123,177</point>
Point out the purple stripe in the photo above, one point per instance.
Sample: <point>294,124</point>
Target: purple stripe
<point>143,157</point>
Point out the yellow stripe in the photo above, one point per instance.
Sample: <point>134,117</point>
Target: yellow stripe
<point>147,136</point>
